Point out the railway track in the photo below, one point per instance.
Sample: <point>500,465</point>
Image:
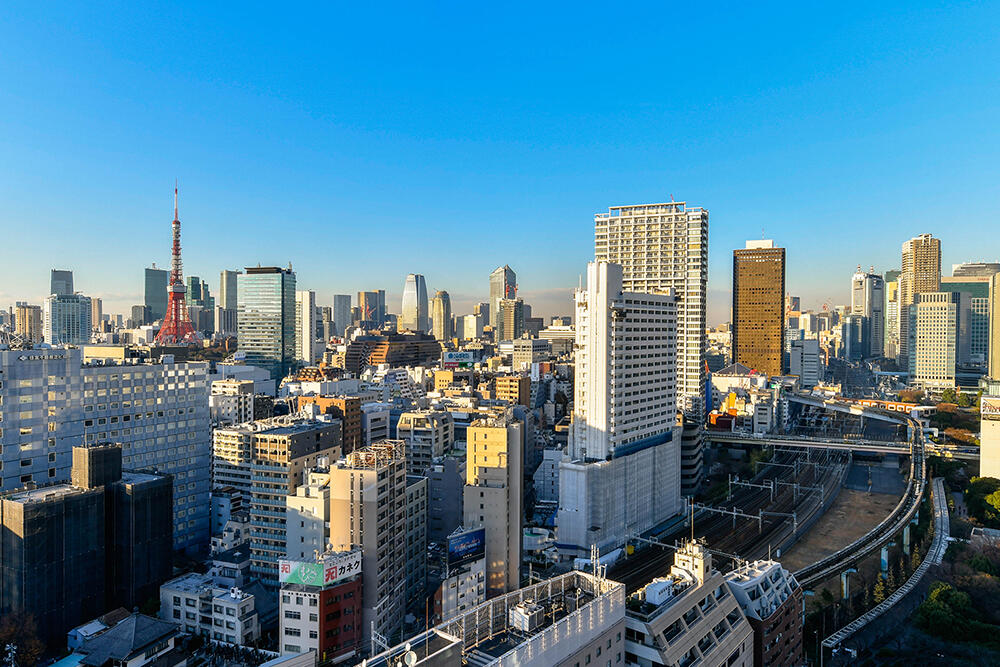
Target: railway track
<point>879,535</point>
<point>741,536</point>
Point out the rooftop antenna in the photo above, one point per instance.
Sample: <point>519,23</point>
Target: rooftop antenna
<point>175,199</point>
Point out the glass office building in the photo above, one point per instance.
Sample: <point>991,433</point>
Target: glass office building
<point>266,318</point>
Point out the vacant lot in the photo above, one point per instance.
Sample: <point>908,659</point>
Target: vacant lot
<point>852,515</point>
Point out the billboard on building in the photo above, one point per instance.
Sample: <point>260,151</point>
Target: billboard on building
<point>337,568</point>
<point>466,547</point>
<point>457,359</point>
<point>331,570</point>
<point>299,572</point>
<point>989,408</point>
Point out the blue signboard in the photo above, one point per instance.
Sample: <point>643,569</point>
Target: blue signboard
<point>466,547</point>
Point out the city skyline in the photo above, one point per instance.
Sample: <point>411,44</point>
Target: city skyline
<point>545,300</point>
<point>490,149</point>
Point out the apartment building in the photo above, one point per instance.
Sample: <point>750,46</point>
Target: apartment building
<point>199,607</point>
<point>368,511</point>
<point>493,495</point>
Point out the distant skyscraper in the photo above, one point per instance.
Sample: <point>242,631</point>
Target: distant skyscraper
<point>855,336</point>
<point>341,312</point>
<point>200,302</point>
<point>442,316</point>
<point>28,322</point>
<point>510,320</point>
<point>868,300</point>
<point>228,290</point>
<point>939,338</point>
<point>978,289</point>
<point>372,306</point>
<point>305,327</point>
<point>623,475</point>
<point>61,282</point>
<point>96,312</point>
<point>414,311</point>
<point>921,272</point>
<point>266,318</point>
<point>503,285</point>
<point>975,269</point>
<point>758,294</point>
<point>67,319</point>
<point>993,351</point>
<point>891,346</point>
<point>155,293</point>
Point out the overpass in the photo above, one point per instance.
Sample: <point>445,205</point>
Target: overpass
<point>857,445</point>
<point>850,444</point>
<point>848,408</point>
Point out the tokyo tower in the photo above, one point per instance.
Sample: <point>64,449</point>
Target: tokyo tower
<point>176,328</point>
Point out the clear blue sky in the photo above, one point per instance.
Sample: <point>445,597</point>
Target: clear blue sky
<point>365,141</point>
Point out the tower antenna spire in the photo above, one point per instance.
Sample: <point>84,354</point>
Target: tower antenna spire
<point>176,328</point>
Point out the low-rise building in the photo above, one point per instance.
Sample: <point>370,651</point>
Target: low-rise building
<point>320,606</point>
<point>135,641</point>
<point>464,584</point>
<point>200,607</point>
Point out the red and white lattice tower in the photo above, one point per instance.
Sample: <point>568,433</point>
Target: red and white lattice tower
<point>176,328</point>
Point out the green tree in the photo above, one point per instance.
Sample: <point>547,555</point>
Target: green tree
<point>948,395</point>
<point>963,400</point>
<point>982,500</point>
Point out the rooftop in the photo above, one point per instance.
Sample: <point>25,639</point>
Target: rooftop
<point>201,584</point>
<point>493,633</point>
<point>128,637</point>
<point>45,493</point>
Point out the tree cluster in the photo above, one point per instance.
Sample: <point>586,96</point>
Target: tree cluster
<point>983,500</point>
<point>948,613</point>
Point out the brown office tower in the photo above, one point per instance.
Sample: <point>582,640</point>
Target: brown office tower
<point>758,306</point>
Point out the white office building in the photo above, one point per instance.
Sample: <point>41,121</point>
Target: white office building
<point>622,473</point>
<point>804,361</point>
<point>66,319</point>
<point>305,327</point>
<point>938,338</point>
<point>50,402</point>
